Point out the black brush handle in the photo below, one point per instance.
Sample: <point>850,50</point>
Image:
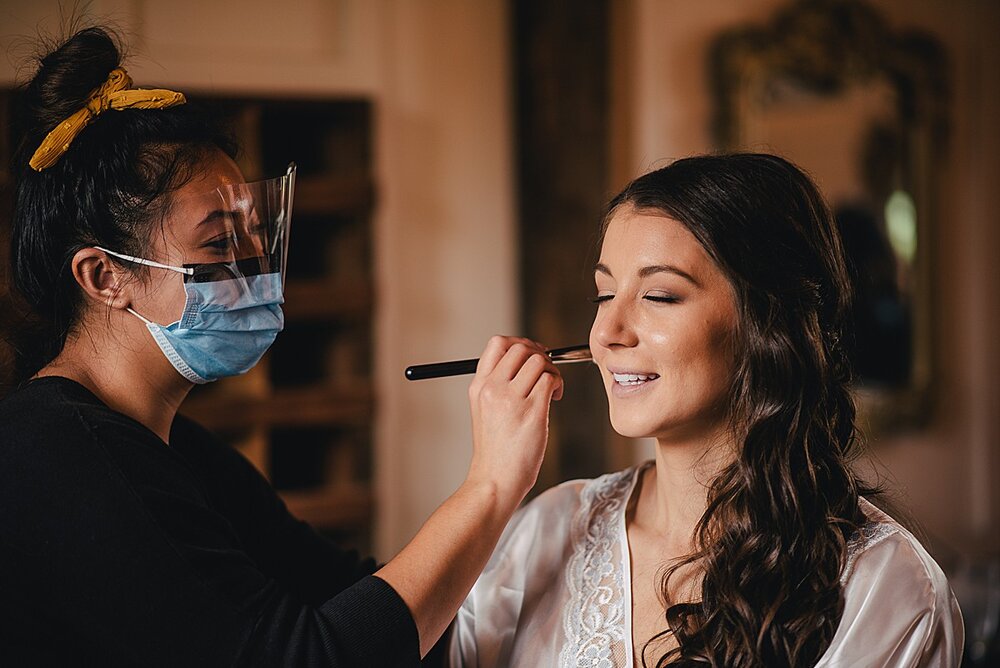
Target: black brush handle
<point>580,353</point>
<point>441,369</point>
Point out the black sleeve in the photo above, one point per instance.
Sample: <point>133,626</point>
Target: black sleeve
<point>110,554</point>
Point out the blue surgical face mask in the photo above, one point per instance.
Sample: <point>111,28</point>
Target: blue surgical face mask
<point>226,327</point>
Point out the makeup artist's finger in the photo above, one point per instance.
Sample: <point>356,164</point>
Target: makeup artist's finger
<point>545,379</point>
<point>558,394</point>
<point>496,348</point>
<point>514,359</point>
<point>531,371</point>
<point>548,388</point>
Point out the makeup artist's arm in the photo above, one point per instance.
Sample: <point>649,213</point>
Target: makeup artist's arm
<point>510,395</point>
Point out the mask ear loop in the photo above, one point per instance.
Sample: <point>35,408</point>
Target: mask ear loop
<point>136,314</point>
<point>187,271</point>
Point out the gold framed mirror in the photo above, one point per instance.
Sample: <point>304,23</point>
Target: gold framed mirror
<point>863,109</point>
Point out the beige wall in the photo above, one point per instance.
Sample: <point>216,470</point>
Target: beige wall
<point>309,46</point>
<point>446,263</point>
<point>946,474</point>
<point>446,252</point>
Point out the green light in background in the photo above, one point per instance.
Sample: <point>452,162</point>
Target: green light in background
<point>901,224</point>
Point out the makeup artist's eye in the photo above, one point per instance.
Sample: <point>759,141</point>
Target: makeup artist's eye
<point>221,244</point>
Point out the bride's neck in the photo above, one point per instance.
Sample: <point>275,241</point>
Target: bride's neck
<point>674,493</point>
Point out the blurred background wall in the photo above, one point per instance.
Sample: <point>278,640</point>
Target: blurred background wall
<point>498,130</point>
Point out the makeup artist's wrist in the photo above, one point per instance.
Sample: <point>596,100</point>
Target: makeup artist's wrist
<point>503,497</point>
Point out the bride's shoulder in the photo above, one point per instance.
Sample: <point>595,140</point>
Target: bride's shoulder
<point>897,601</point>
<point>884,544</point>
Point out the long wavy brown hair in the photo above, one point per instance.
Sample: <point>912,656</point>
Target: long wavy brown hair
<point>772,543</point>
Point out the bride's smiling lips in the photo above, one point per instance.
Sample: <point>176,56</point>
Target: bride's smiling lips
<point>628,381</point>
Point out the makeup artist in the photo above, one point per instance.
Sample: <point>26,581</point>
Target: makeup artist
<point>129,535</point>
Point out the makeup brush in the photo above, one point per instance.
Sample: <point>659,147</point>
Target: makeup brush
<point>567,355</point>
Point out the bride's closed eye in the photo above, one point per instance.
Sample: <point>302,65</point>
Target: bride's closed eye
<point>662,298</point>
<point>656,298</point>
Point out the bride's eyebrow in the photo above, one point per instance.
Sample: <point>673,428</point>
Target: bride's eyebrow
<point>650,270</point>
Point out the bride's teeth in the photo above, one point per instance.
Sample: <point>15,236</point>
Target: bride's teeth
<point>633,378</point>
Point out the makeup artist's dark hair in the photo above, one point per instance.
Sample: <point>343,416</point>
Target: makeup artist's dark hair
<point>772,543</point>
<point>109,189</point>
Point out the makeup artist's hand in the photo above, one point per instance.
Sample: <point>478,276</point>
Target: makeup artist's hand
<point>510,396</point>
<point>514,384</point>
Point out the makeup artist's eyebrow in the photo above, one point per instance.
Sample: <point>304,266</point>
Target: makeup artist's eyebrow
<point>217,215</point>
<point>650,270</point>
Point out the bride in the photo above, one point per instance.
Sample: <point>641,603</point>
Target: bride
<point>721,326</point>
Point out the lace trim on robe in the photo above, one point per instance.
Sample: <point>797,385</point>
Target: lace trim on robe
<point>594,616</point>
<point>870,534</point>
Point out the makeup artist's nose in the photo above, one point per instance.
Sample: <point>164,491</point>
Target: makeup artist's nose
<point>613,325</point>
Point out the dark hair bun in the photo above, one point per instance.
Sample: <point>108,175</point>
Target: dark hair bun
<point>66,76</point>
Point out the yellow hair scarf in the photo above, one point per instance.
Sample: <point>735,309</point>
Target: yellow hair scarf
<point>115,93</point>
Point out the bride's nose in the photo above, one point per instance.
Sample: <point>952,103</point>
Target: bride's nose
<point>613,325</point>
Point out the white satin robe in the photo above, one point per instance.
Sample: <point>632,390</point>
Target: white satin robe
<point>557,591</point>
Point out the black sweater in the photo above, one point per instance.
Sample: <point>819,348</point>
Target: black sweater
<point>117,549</point>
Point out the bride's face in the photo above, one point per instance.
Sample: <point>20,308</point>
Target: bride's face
<point>663,332</point>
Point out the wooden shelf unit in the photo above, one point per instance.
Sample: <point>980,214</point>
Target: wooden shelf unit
<point>297,407</point>
<point>304,415</point>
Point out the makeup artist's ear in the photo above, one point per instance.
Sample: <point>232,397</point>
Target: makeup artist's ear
<point>99,278</point>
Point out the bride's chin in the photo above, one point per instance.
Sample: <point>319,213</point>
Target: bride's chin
<point>630,428</point>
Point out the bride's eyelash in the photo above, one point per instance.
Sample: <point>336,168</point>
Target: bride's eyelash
<point>664,299</point>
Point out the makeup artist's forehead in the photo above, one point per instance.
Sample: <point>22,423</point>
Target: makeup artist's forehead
<point>215,171</point>
<point>199,197</point>
<point>636,239</point>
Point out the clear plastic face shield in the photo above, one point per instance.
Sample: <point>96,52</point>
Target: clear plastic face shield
<point>239,231</point>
